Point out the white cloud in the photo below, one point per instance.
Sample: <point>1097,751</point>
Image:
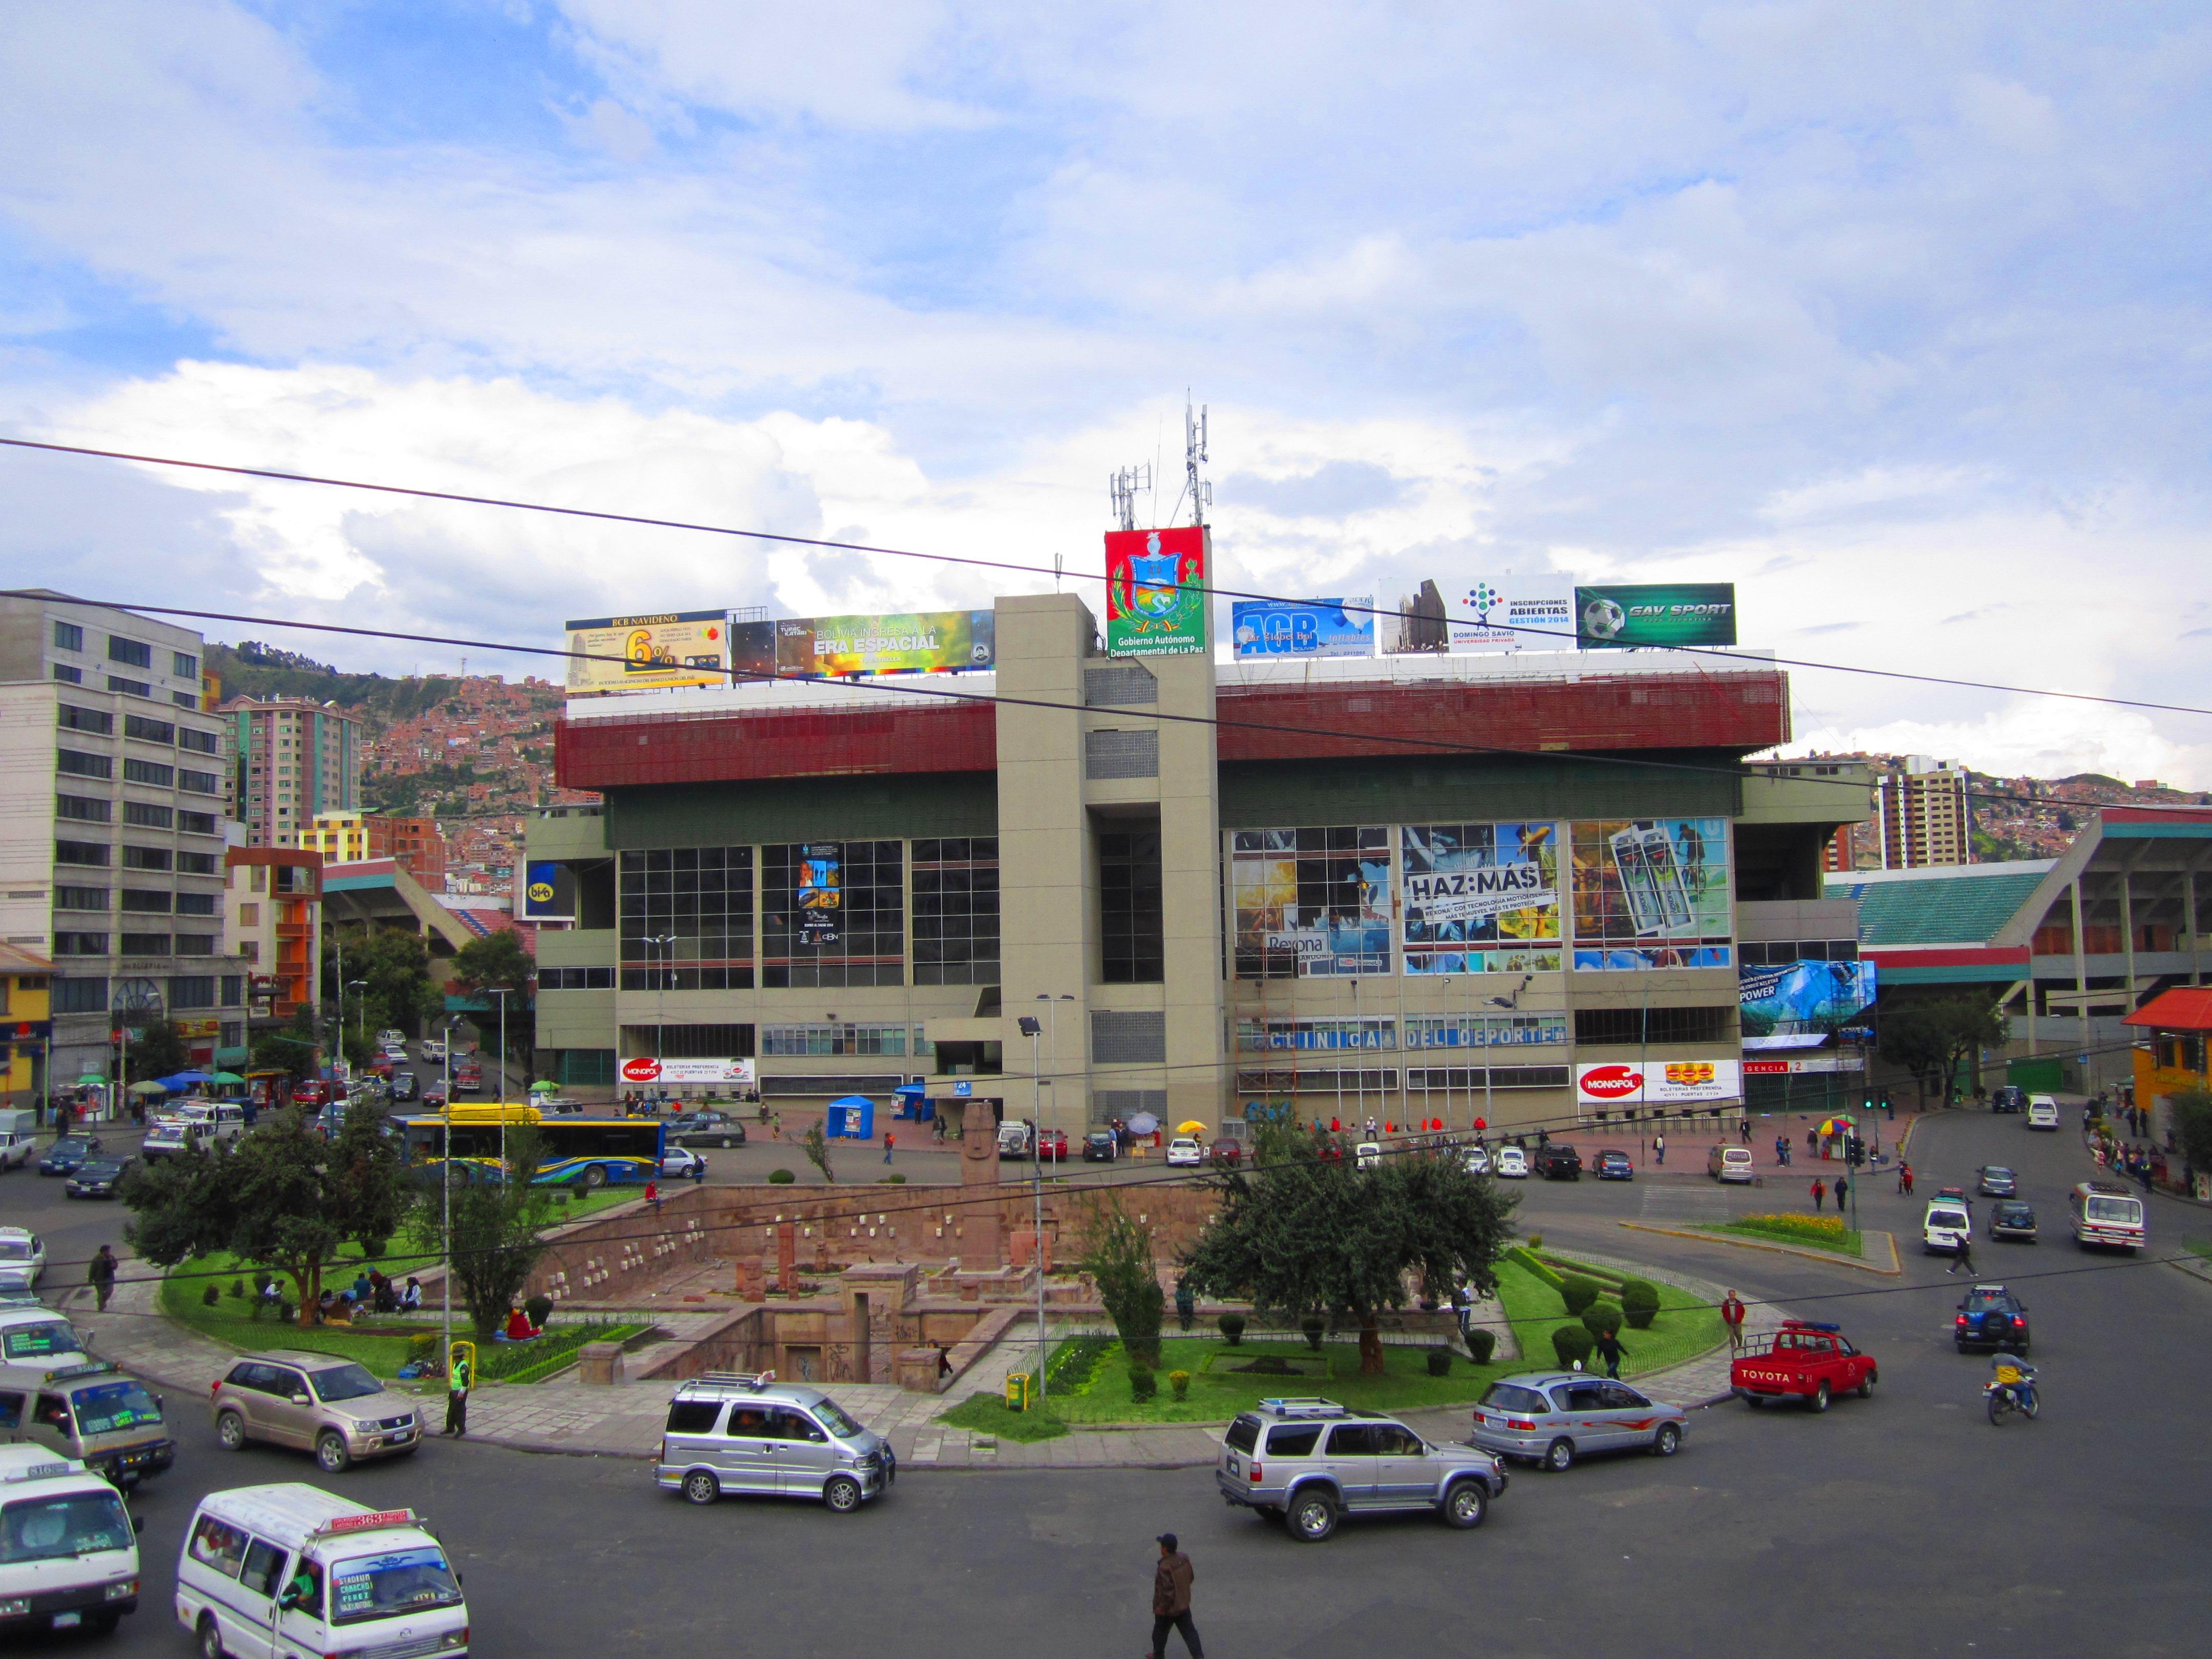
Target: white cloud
<point>2040,739</point>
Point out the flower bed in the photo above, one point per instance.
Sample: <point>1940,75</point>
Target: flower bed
<point>1819,1232</point>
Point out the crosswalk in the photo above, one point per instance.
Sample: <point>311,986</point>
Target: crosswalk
<point>1699,1206</point>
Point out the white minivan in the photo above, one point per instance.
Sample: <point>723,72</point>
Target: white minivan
<point>68,1559</point>
<point>1948,1226</point>
<point>1730,1164</point>
<point>294,1569</point>
<point>2042,1112</point>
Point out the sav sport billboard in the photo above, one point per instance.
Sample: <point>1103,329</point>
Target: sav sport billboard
<point>1621,617</point>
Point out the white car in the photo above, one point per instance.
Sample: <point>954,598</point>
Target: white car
<point>1512,1163</point>
<point>678,1161</point>
<point>15,1150</point>
<point>2042,1112</point>
<point>389,1038</point>
<point>1949,1225</point>
<point>1368,1155</point>
<point>433,1049</point>
<point>1183,1151</point>
<point>24,1250</point>
<point>1478,1160</point>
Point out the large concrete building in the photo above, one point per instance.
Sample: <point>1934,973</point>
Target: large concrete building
<point>1921,811</point>
<point>296,758</point>
<point>114,830</point>
<point>1411,889</point>
<point>354,837</point>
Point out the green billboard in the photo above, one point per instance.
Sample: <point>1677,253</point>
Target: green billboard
<point>1622,617</point>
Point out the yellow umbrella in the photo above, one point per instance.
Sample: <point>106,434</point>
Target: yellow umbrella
<point>1193,1127</point>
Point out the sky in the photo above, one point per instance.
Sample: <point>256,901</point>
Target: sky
<point>1894,315</point>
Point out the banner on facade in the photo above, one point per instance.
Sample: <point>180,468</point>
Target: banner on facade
<point>1471,888</point>
<point>820,899</point>
<point>649,653</point>
<point>1156,596</point>
<point>548,892</point>
<point>1659,1081</point>
<point>690,1073</point>
<point>1275,628</point>
<point>1651,893</point>
<point>1622,616</point>
<point>1803,996</point>
<point>1310,904</point>
<point>825,648</point>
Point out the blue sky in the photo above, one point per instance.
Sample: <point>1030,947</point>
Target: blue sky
<point>1892,314</point>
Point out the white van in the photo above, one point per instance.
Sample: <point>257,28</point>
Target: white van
<point>199,1123</point>
<point>68,1559</point>
<point>293,1569</point>
<point>2042,1112</point>
<point>31,1333</point>
<point>1949,1225</point>
<point>1730,1164</point>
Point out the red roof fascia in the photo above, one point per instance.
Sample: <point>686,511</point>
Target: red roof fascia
<point>1970,956</point>
<point>2184,1008</point>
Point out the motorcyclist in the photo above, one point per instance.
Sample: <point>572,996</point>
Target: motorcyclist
<point>2012,1373</point>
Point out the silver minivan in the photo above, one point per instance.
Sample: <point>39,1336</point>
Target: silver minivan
<point>737,1431</point>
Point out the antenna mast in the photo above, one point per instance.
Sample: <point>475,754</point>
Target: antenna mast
<point>1121,489</point>
<point>1194,450</point>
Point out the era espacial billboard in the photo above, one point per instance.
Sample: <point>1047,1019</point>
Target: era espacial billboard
<point>1481,898</point>
<point>1651,893</point>
<point>649,653</point>
<point>1266,628</point>
<point>1622,616</point>
<point>822,648</point>
<point>1156,596</point>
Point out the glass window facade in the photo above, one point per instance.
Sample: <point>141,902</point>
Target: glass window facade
<point>956,912</point>
<point>837,1037</point>
<point>1310,901</point>
<point>687,919</point>
<point>1485,1031</point>
<point>833,913</point>
<point>1130,917</point>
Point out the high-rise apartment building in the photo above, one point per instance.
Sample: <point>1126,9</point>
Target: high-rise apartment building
<point>112,834</point>
<point>1920,809</point>
<point>296,758</point>
<point>348,837</point>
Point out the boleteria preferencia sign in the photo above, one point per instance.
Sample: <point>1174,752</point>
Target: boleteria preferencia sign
<point>1658,1082</point>
<point>641,1068</point>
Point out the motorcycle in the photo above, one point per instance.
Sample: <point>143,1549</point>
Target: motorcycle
<point>2004,1398</point>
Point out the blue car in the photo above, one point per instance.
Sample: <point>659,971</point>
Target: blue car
<point>1612,1165</point>
<point>69,1154</point>
<point>1992,1316</point>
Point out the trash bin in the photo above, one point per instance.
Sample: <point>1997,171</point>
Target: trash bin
<point>1020,1390</point>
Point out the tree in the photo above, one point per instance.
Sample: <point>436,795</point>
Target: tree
<point>157,1051</point>
<point>498,1230</point>
<point>499,959</point>
<point>1930,1039</point>
<point>816,1144</point>
<point>291,1051</point>
<point>1118,1255</point>
<point>2192,1125</point>
<point>394,968</point>
<point>1304,1235</point>
<point>366,1175</point>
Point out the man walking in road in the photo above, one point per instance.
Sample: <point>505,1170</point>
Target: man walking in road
<point>1172,1599</point>
<point>101,1276</point>
<point>889,1140</point>
<point>1820,1192</point>
<point>1659,1148</point>
<point>1964,1257</point>
<point>1843,1192</point>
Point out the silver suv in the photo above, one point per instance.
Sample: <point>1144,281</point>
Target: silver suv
<point>737,1431</point>
<point>1308,1462</point>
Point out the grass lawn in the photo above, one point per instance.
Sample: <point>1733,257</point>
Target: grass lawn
<point>1682,1330</point>
<point>987,1413</point>
<point>1844,1244</point>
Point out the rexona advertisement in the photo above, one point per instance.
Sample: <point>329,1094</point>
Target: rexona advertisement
<point>820,900</point>
<point>1797,997</point>
<point>649,653</point>
<point>1658,1082</point>
<point>1305,628</point>
<point>1481,898</point>
<point>1156,598</point>
<point>1515,614</point>
<point>1651,893</point>
<point>643,1069</point>
<point>820,648</point>
<point>1654,613</point>
<point>1309,903</point>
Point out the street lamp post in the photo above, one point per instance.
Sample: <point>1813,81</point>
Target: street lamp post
<point>664,945</point>
<point>1031,1027</point>
<point>445,1165</point>
<point>502,991</point>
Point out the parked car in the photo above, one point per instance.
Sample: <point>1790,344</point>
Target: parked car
<point>20,1248</point>
<point>2014,1219</point>
<point>1052,1144</point>
<point>1995,1181</point>
<point>1806,1360</point>
<point>1730,1164</point>
<point>69,1154</point>
<point>1185,1152</point>
<point>1557,1161</point>
<point>1553,1418</point>
<point>707,1129</point>
<point>98,1178</point>
<point>1512,1163</point>
<point>1014,1137</point>
<point>2010,1097</point>
<point>1477,1159</point>
<point>1613,1164</point>
<point>681,1163</point>
<point>404,1087</point>
<point>1101,1146</point>
<point>16,1147</point>
<point>433,1049</point>
<point>1990,1316</point>
<point>1226,1154</point>
<point>1368,1155</point>
<point>332,1407</point>
<point>1307,1462</point>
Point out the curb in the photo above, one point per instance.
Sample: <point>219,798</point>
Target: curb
<point>1893,1270</point>
<point>2194,1267</point>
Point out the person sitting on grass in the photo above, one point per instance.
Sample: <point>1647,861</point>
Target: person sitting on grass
<point>518,1328</point>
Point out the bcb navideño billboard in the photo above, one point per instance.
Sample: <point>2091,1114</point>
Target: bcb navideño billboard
<point>1621,617</point>
<point>819,647</point>
<point>648,653</point>
<point>1156,596</point>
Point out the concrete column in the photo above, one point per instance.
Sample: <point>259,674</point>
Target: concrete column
<point>2128,933</point>
<point>1190,891</point>
<point>2081,970</point>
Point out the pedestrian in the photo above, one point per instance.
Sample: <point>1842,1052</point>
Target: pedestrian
<point>1908,1181</point>
<point>1812,1142</point>
<point>1843,1192</point>
<point>1659,1148</point>
<point>943,1362</point>
<point>1820,1192</point>
<point>459,1376</point>
<point>1964,1257</point>
<point>1608,1348</point>
<point>1743,1129</point>
<point>101,1276</point>
<point>1732,1311</point>
<point>889,1140</point>
<point>1781,1150</point>
<point>411,1300</point>
<point>652,1195</point>
<point>1171,1599</point>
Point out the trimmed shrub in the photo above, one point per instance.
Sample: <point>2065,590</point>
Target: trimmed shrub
<point>894,1179</point>
<point>1601,1318</point>
<point>238,1288</point>
<point>422,1349</point>
<point>1180,1381</point>
<point>780,1177</point>
<point>1481,1342</point>
<point>210,1296</point>
<point>1573,1344</point>
<point>1143,1385</point>
<point>1535,1241</point>
<point>1440,1361</point>
<point>1232,1328</point>
<point>1314,1328</point>
<point>1639,1302</point>
<point>538,1309</point>
<point>1577,1291</point>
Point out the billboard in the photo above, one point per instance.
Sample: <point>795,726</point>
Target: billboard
<point>820,901</point>
<point>548,892</point>
<point>911,642</point>
<point>1655,614</point>
<point>642,1068</point>
<point>1659,1081</point>
<point>1651,893</point>
<point>1265,628</point>
<point>1481,898</point>
<point>1519,614</point>
<point>649,653</point>
<point>1795,997</point>
<point>1156,598</point>
<point>1310,904</point>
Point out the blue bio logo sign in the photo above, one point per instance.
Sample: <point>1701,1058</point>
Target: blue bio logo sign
<point>1305,628</point>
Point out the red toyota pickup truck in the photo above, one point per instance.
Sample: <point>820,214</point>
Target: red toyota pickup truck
<point>1803,1361</point>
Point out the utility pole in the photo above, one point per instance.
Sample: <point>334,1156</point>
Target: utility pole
<point>445,1318</point>
<point>1032,1028</point>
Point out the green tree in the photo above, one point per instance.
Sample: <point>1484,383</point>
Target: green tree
<point>400,988</point>
<point>366,1179</point>
<point>157,1051</point>
<point>2192,1125</point>
<point>291,1051</point>
<point>1930,1041</point>
<point>499,959</point>
<point>1306,1235</point>
<point>1117,1254</point>
<point>498,1230</point>
<point>815,1143</point>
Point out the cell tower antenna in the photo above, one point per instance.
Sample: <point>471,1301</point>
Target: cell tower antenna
<point>1122,488</point>
<point>1193,449</point>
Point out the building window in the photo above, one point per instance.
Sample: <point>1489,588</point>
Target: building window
<point>145,944</point>
<point>233,1034</point>
<point>196,944</point>
<point>150,772</point>
<point>192,991</point>
<point>689,1042</point>
<point>196,904</point>
<point>97,721</point>
<point>83,766</point>
<point>1258,1035</point>
<point>198,783</point>
<point>842,1037</point>
<point>1310,901</point>
<point>131,653</point>
<point>81,851</point>
<point>198,824</point>
<point>84,809</point>
<point>204,742</point>
<point>147,816</point>
<point>833,913</point>
<point>956,912</point>
<point>138,899</point>
<point>1638,1026</point>
<point>67,675</point>
<point>195,864</point>
<point>1784,953</point>
<point>80,996</point>
<point>573,979</point>
<point>184,666</point>
<point>249,950</point>
<point>687,919</point>
<point>80,945</point>
<point>147,858</point>
<point>1486,1031</point>
<point>68,636</point>
<point>79,898</point>
<point>147,729</point>
<point>129,688</point>
<point>249,915</point>
<point>184,700</point>
<point>1130,921</point>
